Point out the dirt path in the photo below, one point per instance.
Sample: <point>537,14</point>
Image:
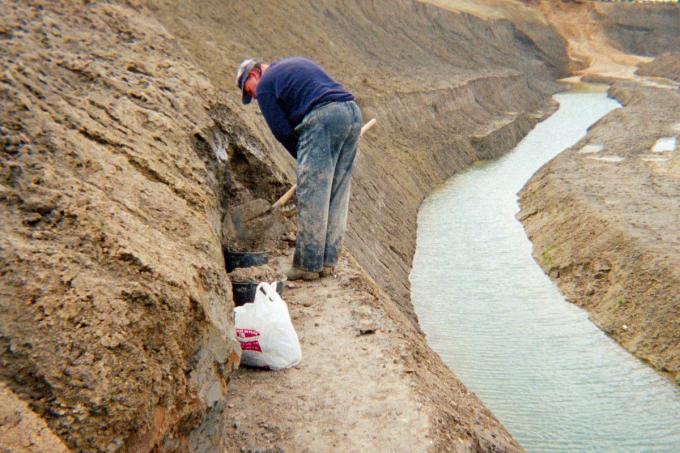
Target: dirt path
<point>366,382</point>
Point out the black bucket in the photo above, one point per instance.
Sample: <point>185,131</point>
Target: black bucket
<point>244,292</point>
<point>244,259</point>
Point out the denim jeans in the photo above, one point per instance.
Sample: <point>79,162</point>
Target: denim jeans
<point>327,146</point>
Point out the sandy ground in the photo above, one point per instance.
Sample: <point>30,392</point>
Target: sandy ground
<point>319,407</point>
<point>587,45</point>
<point>22,430</point>
<point>361,386</point>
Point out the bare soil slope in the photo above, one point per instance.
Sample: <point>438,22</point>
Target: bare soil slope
<point>647,30</point>
<point>121,159</point>
<point>115,309</point>
<point>592,53</point>
<point>447,88</point>
<point>665,65</point>
<point>607,230</point>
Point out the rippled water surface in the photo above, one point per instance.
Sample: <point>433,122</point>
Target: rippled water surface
<point>552,378</point>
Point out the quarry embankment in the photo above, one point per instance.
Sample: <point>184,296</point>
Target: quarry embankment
<point>603,219</point>
<point>124,147</point>
<point>603,215</point>
<point>447,87</point>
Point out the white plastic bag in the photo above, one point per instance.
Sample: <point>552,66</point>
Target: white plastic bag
<point>265,331</point>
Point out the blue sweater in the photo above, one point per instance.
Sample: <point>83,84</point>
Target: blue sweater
<point>289,89</point>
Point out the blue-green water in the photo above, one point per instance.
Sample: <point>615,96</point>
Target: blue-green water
<point>556,381</point>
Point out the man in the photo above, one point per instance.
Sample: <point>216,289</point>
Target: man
<point>319,123</point>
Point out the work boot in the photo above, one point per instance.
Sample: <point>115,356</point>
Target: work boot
<point>328,271</point>
<point>298,274</point>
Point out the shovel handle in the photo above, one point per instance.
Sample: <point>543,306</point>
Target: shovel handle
<point>285,197</point>
<point>289,193</point>
<point>367,126</point>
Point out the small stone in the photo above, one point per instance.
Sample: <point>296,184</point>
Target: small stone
<point>367,327</point>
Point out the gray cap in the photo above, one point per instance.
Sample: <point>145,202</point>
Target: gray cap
<point>241,76</point>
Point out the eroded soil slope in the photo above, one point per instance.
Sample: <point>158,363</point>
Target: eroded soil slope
<point>115,309</point>
<point>641,29</point>
<point>448,87</point>
<point>665,65</point>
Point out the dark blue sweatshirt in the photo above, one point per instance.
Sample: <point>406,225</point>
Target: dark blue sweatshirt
<point>289,89</point>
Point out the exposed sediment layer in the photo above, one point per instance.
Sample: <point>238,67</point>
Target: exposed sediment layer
<point>22,430</point>
<point>605,224</point>
<point>446,86</point>
<point>665,65</point>
<point>641,29</point>
<point>120,159</point>
<point>115,310</point>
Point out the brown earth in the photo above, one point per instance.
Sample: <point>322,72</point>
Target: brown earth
<point>665,65</point>
<point>591,52</point>
<point>607,232</point>
<point>447,88</point>
<point>262,273</point>
<point>23,431</point>
<point>367,382</point>
<point>605,224</point>
<point>115,309</point>
<point>125,151</point>
<point>121,160</point>
<point>638,29</point>
<point>492,82</point>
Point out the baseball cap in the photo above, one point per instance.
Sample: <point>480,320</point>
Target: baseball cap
<point>241,76</point>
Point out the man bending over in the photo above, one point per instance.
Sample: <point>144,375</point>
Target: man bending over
<point>319,123</point>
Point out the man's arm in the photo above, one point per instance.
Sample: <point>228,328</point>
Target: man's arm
<point>278,122</point>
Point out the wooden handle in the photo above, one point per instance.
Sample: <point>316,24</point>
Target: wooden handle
<point>285,197</point>
<point>367,126</point>
<point>289,194</point>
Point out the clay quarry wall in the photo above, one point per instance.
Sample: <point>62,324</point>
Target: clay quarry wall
<point>447,88</point>
<point>124,145</point>
<point>641,29</point>
<point>115,309</point>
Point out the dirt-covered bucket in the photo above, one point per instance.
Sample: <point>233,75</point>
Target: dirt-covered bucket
<point>244,292</point>
<point>234,259</point>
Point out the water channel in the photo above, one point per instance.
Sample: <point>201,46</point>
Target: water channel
<point>556,381</point>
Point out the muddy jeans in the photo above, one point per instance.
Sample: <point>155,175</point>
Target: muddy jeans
<point>327,145</point>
